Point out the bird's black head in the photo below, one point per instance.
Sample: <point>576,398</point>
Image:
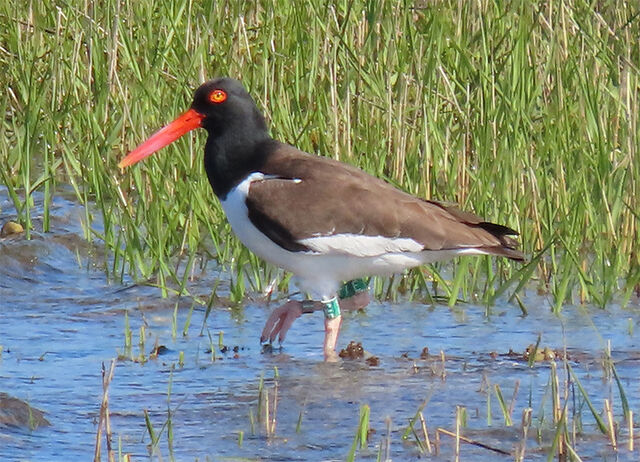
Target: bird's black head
<point>225,104</point>
<point>224,108</point>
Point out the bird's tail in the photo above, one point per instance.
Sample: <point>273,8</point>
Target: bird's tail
<point>508,246</point>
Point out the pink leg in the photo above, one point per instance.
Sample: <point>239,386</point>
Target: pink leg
<point>282,318</point>
<point>331,331</point>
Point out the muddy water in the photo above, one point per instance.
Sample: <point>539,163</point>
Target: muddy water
<point>60,320</point>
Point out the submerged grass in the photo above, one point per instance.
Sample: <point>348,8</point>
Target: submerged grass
<point>553,426</point>
<point>524,112</point>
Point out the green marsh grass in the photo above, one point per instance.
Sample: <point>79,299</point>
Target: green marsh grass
<point>362,433</point>
<point>267,407</point>
<point>503,406</point>
<point>524,112</point>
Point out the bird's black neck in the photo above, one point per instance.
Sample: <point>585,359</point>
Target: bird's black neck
<point>233,155</point>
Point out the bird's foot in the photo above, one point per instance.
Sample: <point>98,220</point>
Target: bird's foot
<point>280,320</point>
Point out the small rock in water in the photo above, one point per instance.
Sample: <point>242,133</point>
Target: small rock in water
<point>352,351</point>
<point>158,350</point>
<point>17,413</point>
<point>372,361</point>
<point>355,351</point>
<point>542,354</point>
<point>11,227</point>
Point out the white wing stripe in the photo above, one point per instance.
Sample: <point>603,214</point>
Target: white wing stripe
<point>359,245</point>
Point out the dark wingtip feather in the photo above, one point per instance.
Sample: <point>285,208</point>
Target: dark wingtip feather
<point>497,230</point>
<point>509,247</point>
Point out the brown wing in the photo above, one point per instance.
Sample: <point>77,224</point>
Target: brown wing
<point>305,196</point>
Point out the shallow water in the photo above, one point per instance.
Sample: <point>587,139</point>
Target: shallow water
<point>60,320</point>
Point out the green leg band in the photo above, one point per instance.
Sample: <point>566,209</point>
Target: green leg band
<point>349,289</point>
<point>331,308</point>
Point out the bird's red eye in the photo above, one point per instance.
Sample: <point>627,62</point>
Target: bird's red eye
<point>218,96</point>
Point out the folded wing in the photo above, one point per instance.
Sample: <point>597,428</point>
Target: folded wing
<point>359,214</point>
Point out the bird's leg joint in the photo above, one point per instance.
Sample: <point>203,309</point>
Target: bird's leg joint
<point>308,306</point>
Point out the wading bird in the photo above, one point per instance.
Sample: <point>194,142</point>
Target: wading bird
<point>323,220</point>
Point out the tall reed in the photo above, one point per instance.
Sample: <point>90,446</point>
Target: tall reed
<point>524,112</point>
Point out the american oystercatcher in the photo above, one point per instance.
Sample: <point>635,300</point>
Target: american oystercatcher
<point>323,220</point>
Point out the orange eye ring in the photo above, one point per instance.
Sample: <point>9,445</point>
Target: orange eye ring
<point>218,96</point>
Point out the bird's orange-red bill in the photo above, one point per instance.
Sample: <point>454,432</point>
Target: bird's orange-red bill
<point>185,123</point>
